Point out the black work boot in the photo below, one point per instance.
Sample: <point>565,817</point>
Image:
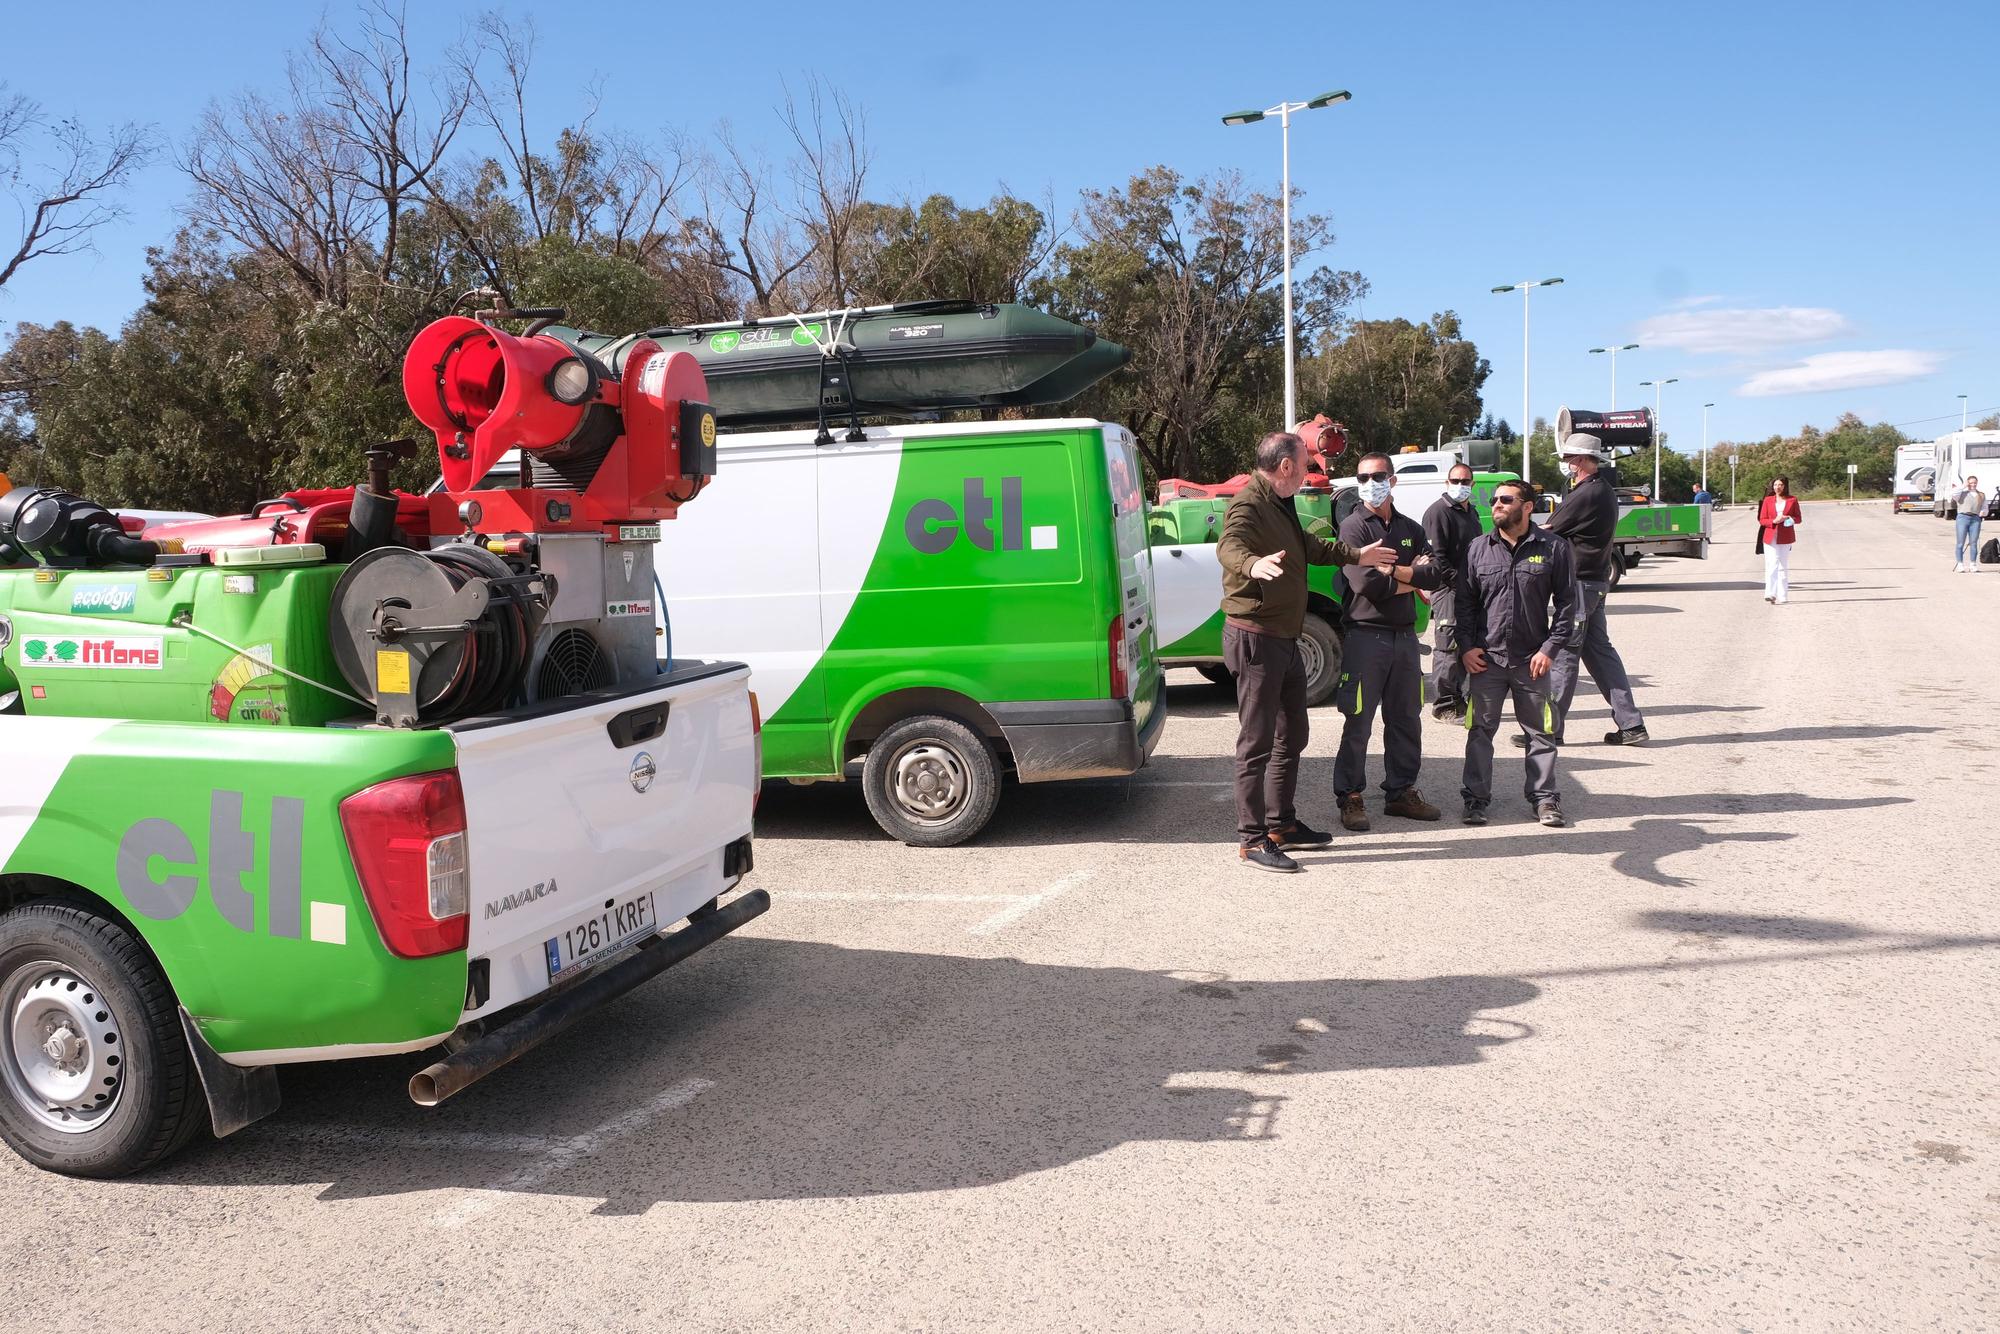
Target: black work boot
<point>1550,813</point>
<point>1630,736</point>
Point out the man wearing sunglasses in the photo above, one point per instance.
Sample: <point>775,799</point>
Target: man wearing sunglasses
<point>1517,605</point>
<point>1264,552</point>
<point>1380,666</point>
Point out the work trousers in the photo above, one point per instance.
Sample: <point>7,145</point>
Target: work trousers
<point>1591,648</point>
<point>1485,696</point>
<point>1271,728</point>
<point>1379,669</point>
<point>1777,570</point>
<point>1447,672</point>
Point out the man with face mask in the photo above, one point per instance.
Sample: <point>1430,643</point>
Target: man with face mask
<point>1450,525</point>
<point>1380,667</point>
<point>1588,519</point>
<point>1264,552</point>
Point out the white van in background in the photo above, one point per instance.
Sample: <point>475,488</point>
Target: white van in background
<point>1912,486</point>
<point>1960,455</point>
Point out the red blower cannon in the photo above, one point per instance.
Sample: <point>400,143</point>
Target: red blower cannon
<point>596,451</point>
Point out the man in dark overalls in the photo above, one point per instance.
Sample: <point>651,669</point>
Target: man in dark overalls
<point>1380,667</point>
<point>1517,599</point>
<point>1450,525</point>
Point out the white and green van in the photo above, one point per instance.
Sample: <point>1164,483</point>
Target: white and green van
<point>929,608</point>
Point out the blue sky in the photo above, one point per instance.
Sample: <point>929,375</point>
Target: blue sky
<point>1793,207</point>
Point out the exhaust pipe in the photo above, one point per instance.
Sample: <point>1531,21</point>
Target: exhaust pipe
<point>480,1058</point>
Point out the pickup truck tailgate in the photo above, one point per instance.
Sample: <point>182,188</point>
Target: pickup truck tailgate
<point>580,809</point>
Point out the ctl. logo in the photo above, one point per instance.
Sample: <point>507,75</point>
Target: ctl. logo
<point>160,873</point>
<point>933,525</point>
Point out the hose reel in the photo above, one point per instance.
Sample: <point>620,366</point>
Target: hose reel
<point>432,636</point>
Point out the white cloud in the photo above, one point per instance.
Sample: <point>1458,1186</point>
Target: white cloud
<point>1726,331</point>
<point>1842,370</point>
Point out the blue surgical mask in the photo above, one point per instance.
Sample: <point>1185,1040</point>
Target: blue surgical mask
<point>1458,492</point>
<point>1373,494</point>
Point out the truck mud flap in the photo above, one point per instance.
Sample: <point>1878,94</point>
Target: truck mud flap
<point>480,1058</point>
<point>238,1096</point>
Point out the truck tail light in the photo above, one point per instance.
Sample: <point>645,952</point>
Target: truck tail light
<point>407,839</point>
<point>1120,654</point>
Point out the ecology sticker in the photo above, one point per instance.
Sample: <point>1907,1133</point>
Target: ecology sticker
<point>116,652</point>
<point>104,599</point>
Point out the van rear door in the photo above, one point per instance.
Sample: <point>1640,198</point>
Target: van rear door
<point>1135,572</point>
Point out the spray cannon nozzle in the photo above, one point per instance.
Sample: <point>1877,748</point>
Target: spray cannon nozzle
<point>635,444</point>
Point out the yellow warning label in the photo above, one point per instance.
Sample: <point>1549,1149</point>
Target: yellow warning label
<point>708,429</point>
<point>392,671</point>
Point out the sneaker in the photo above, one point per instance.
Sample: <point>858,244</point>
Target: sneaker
<point>1550,814</point>
<point>1448,713</point>
<point>1353,815</point>
<point>1631,736</point>
<point>1300,835</point>
<point>1266,857</point>
<point>1475,813</point>
<point>1410,804</point>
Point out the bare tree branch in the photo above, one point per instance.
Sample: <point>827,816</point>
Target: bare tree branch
<point>64,202</point>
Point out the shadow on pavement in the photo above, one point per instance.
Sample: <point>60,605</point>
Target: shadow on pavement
<point>850,1072</point>
<point>1637,851</point>
<point>841,1073</point>
<point>1837,732</point>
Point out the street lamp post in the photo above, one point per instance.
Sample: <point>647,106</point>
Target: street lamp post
<point>1614,351</point>
<point>1704,443</point>
<point>1961,412</point>
<point>1527,422</point>
<point>1656,386</point>
<point>1732,480</point>
<point>1284,111</point>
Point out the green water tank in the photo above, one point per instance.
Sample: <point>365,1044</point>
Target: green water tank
<point>193,644</point>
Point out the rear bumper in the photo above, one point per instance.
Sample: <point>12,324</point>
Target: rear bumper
<point>1072,738</point>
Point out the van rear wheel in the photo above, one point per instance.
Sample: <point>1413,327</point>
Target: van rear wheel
<point>931,781</point>
<point>1320,647</point>
<point>95,1076</point>
<point>1217,675</point>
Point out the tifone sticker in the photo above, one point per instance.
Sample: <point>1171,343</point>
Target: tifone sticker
<point>628,609</point>
<point>114,652</point>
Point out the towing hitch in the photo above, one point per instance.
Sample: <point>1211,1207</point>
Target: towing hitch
<point>480,1058</point>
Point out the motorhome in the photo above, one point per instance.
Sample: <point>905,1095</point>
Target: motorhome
<point>1913,486</point>
<point>1961,455</point>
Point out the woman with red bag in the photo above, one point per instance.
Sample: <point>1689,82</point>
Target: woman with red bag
<point>1778,519</point>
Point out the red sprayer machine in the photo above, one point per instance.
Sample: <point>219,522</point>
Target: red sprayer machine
<point>494,590</point>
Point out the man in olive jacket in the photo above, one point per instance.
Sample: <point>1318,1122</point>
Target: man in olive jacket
<point>1264,554</point>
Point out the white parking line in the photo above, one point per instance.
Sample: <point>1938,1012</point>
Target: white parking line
<point>1014,912</point>
<point>562,1152</point>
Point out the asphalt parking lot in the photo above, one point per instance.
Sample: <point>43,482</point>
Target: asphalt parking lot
<point>1723,1054</point>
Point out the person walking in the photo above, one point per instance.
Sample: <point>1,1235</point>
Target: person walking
<point>1380,667</point>
<point>1517,602</point>
<point>1778,519</point>
<point>1588,520</point>
<point>1971,506</point>
<point>1264,553</point>
<point>1451,525</point>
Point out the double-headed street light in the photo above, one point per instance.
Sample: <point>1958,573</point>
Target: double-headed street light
<point>1283,111</point>
<point>1614,351</point>
<point>1961,412</point>
<point>1527,422</point>
<point>1656,386</point>
<point>1704,444</point>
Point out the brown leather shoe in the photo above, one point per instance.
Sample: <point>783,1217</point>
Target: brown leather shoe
<point>1353,815</point>
<point>1410,804</point>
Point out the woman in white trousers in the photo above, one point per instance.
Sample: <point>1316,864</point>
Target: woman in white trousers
<point>1778,519</point>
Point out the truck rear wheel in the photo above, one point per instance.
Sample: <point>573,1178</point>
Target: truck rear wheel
<point>931,781</point>
<point>95,1076</point>
<point>1217,675</point>
<point>1321,649</point>
<point>1617,566</point>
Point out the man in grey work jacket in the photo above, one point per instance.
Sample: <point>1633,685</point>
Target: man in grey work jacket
<point>1517,600</point>
<point>1588,519</point>
<point>1264,552</point>
<point>1380,668</point>
<point>1451,525</point>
